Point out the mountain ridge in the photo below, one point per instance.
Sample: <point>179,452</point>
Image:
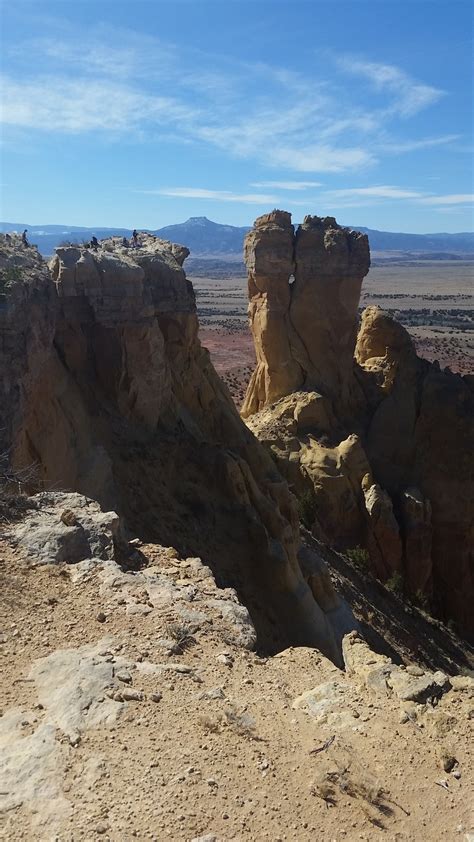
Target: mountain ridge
<point>204,236</point>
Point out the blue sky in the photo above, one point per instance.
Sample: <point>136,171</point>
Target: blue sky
<point>145,113</point>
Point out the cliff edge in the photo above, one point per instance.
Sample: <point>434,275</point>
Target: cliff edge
<point>108,392</point>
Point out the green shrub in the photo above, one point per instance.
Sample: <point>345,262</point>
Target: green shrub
<point>422,600</point>
<point>359,556</point>
<point>307,508</point>
<point>9,276</point>
<point>395,583</point>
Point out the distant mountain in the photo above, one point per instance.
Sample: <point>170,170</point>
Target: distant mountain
<point>204,237</point>
<point>48,237</point>
<point>389,241</point>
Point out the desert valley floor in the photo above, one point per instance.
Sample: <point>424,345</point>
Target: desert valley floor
<point>433,299</point>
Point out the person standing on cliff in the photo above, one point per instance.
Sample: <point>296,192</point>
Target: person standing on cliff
<point>94,243</point>
<point>24,239</point>
<point>135,242</point>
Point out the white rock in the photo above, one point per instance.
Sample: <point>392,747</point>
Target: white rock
<point>238,617</point>
<point>69,683</point>
<point>48,540</point>
<point>32,770</point>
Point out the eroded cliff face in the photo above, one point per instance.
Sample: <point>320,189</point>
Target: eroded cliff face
<point>420,442</point>
<point>108,390</point>
<point>378,443</point>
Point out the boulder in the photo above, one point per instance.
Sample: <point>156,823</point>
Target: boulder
<point>66,528</point>
<point>380,675</point>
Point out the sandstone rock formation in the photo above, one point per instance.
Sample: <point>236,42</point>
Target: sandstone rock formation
<point>420,443</point>
<point>381,439</point>
<point>344,505</point>
<point>304,292</point>
<point>108,392</point>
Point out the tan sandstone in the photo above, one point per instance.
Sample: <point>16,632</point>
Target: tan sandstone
<point>387,449</point>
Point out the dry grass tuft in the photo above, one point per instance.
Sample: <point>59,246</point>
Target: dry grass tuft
<point>240,722</point>
<point>182,634</point>
<point>348,776</point>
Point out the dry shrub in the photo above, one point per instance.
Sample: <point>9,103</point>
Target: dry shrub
<point>347,775</point>
<point>14,483</point>
<point>183,635</point>
<point>241,723</point>
<point>211,724</point>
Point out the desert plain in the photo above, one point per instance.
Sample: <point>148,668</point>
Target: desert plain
<point>432,298</point>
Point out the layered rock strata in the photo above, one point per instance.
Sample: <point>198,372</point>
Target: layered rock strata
<point>108,392</point>
<point>377,443</point>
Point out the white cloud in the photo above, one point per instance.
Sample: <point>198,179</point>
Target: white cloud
<point>367,196</point>
<point>409,95</point>
<point>320,158</point>
<point>413,145</point>
<point>120,82</point>
<point>450,199</point>
<point>378,191</point>
<point>51,104</point>
<point>452,210</point>
<point>218,195</point>
<point>287,185</point>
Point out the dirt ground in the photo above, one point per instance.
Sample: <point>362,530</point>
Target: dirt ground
<point>216,745</point>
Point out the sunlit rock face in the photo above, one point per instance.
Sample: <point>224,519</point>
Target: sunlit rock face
<point>304,291</point>
<point>383,440</point>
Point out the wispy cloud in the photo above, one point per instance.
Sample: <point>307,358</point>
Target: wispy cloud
<point>218,195</point>
<point>377,194</point>
<point>120,82</point>
<point>402,146</point>
<point>378,191</point>
<point>452,210</point>
<point>450,199</point>
<point>287,185</point>
<point>49,105</point>
<point>318,158</point>
<point>409,95</point>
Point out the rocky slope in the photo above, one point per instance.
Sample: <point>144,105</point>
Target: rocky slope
<point>108,391</point>
<point>378,443</point>
<point>133,706</point>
